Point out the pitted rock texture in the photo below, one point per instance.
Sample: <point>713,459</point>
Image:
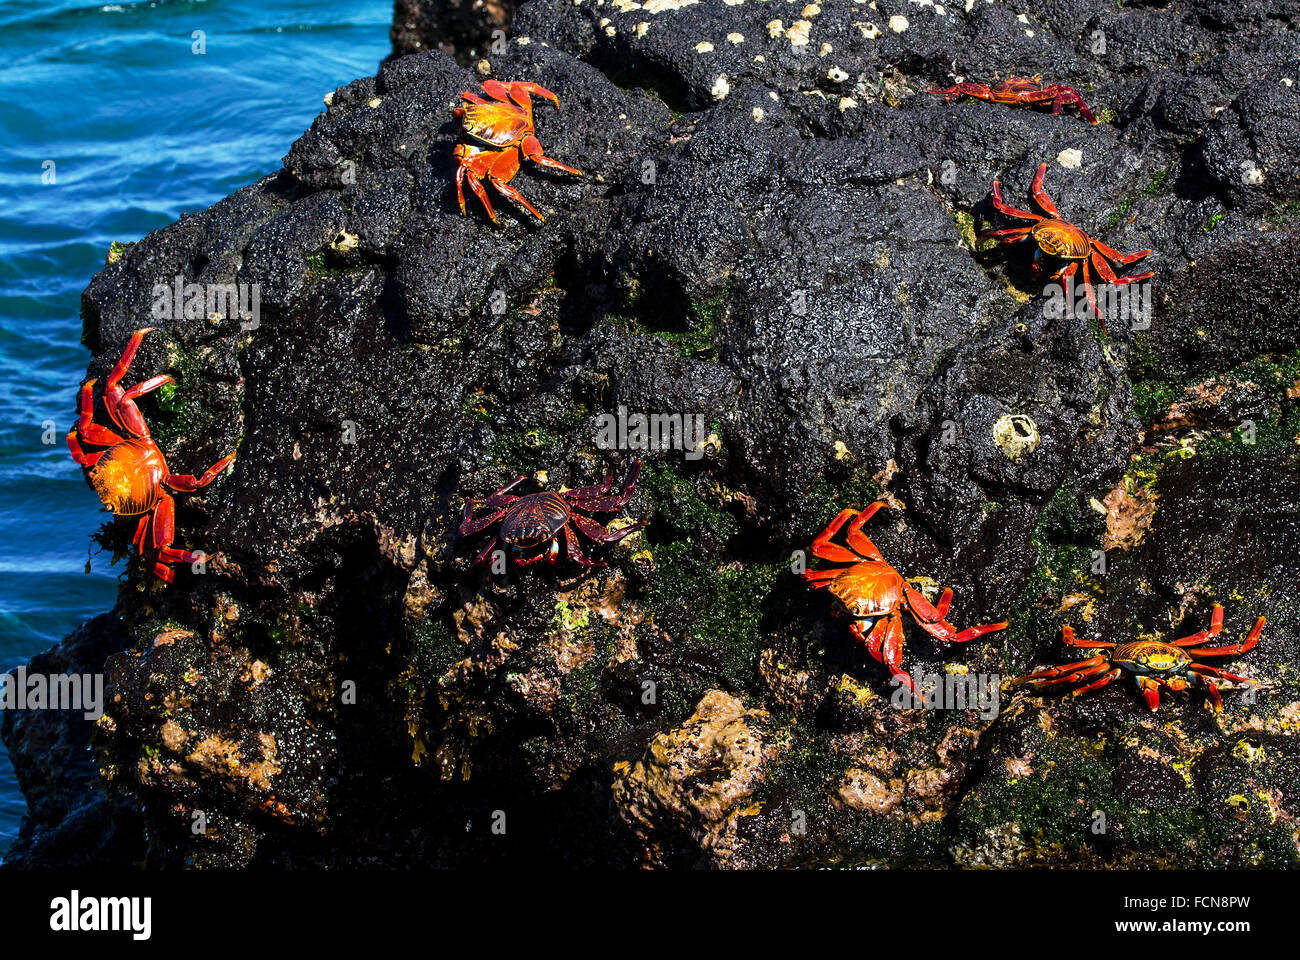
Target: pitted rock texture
<point>775,232</point>
<point>695,779</point>
<point>466,29</point>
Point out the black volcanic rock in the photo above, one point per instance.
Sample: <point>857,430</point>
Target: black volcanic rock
<point>775,230</point>
<point>464,28</point>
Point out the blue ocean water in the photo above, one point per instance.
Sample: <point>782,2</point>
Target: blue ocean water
<point>139,128</point>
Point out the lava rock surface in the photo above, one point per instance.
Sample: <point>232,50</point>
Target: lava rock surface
<point>775,232</point>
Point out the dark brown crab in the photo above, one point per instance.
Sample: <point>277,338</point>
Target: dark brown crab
<point>539,519</point>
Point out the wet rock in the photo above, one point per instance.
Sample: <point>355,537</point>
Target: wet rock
<point>774,236</point>
<point>71,820</point>
<point>694,780</point>
<point>463,28</point>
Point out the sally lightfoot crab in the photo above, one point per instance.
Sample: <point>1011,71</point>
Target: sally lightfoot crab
<point>1154,665</point>
<point>131,476</point>
<point>507,119</point>
<point>497,167</point>
<point>1063,240</point>
<point>532,525</point>
<point>503,127</point>
<point>1021,92</point>
<point>871,589</point>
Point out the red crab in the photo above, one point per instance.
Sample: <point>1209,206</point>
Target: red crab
<point>1021,92</point>
<point>872,589</point>
<point>507,119</point>
<point>504,127</point>
<point>1153,664</point>
<point>498,167</point>
<point>131,476</point>
<point>539,519</point>
<point>1061,239</point>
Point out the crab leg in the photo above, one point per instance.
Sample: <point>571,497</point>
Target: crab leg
<point>1109,276</point>
<point>519,90</point>
<point>1067,635</point>
<point>1150,692</point>
<point>1040,194</point>
<point>482,557</point>
<point>1005,236</point>
<point>141,532</point>
<point>574,550</point>
<point>822,546</point>
<point>550,555</point>
<point>499,499</point>
<point>1092,296</point>
<point>606,486</point>
<point>469,528</point>
<point>1007,208</point>
<point>164,532</point>
<point>946,631</point>
<point>828,574</point>
<point>858,540</point>
<point>188,483</point>
<point>1067,95</point>
<point>1098,683</point>
<point>921,609</point>
<point>83,459</point>
<point>819,579</point>
<point>1216,700</point>
<point>128,355</point>
<point>1252,638</point>
<point>1053,673</point>
<point>1067,271</point>
<point>532,149</point>
<point>86,428</point>
<point>601,489</point>
<point>598,533</point>
<point>597,499</point>
<point>1078,676</point>
<point>1216,627</point>
<point>476,185</point>
<point>1124,258</point>
<point>514,195</point>
<point>1205,668</point>
<point>885,644</point>
<point>120,404</point>
<point>965,88</point>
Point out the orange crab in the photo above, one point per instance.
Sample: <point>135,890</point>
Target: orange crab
<point>1021,92</point>
<point>507,119</point>
<point>1059,238</point>
<point>1153,664</point>
<point>503,126</point>
<point>131,476</point>
<point>497,167</point>
<point>871,589</point>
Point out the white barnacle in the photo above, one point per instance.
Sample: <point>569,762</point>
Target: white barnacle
<point>798,33</point>
<point>1070,158</point>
